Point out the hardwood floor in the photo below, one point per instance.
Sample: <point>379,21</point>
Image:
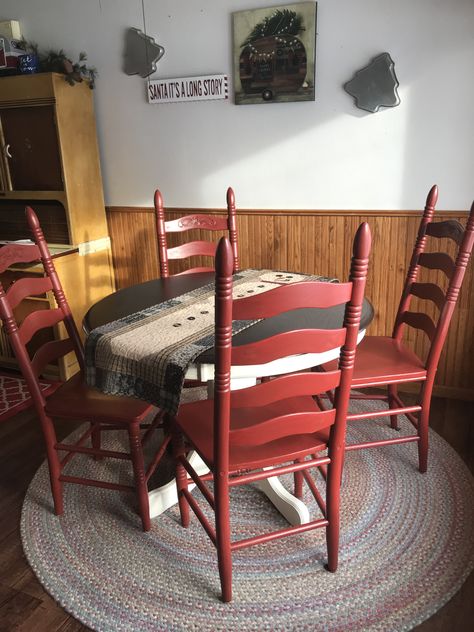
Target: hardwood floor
<point>26,607</point>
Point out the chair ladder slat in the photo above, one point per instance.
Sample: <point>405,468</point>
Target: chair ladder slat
<point>299,295</point>
<point>429,291</point>
<point>287,344</point>
<point>286,386</point>
<point>283,426</point>
<point>418,320</point>
<point>41,319</point>
<point>450,229</point>
<point>29,286</point>
<point>437,261</point>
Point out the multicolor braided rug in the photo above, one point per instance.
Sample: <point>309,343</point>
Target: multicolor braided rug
<point>407,545</point>
<point>14,395</point>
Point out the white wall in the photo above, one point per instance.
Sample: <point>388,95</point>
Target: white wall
<point>325,154</point>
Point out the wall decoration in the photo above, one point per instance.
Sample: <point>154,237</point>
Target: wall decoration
<point>375,86</point>
<point>141,53</point>
<point>274,54</point>
<point>205,88</point>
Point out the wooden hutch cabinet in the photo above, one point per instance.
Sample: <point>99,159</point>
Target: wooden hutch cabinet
<point>50,161</point>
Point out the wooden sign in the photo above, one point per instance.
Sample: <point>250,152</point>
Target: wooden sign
<point>205,88</point>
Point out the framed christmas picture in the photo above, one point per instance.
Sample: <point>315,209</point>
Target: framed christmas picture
<point>275,54</point>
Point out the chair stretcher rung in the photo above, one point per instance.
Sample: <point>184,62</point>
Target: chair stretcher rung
<point>93,483</point>
<point>268,537</point>
<point>278,471</point>
<point>200,516</point>
<point>198,481</point>
<point>383,413</point>
<point>94,451</point>
<point>376,444</point>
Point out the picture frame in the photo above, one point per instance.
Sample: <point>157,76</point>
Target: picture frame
<point>274,54</point>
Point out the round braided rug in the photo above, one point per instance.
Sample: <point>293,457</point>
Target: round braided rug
<point>407,545</point>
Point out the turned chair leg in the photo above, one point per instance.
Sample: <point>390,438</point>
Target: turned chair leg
<point>392,394</point>
<point>54,463</point>
<point>179,452</point>
<point>224,554</point>
<point>139,474</point>
<point>333,495</point>
<point>96,439</point>
<point>298,482</point>
<point>423,426</point>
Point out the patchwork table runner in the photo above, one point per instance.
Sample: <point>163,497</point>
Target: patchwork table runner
<point>146,355</point>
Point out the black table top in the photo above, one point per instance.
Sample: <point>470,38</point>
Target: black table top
<point>137,297</point>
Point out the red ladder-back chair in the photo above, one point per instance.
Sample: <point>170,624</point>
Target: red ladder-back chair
<point>72,400</point>
<point>194,248</point>
<point>275,424</point>
<point>387,361</point>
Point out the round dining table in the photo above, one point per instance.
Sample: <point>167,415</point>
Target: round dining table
<point>127,301</point>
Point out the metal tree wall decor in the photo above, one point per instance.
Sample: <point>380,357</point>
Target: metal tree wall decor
<point>375,86</point>
<point>141,53</point>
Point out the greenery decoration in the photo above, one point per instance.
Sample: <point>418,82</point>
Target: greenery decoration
<point>58,61</point>
<point>280,22</point>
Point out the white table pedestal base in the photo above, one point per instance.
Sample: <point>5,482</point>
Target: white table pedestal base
<point>292,508</point>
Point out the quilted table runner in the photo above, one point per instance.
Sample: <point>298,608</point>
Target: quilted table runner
<point>146,355</point>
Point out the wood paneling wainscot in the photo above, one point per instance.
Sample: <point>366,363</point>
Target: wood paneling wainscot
<point>319,242</point>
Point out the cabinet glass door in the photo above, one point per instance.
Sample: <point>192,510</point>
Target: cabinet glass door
<point>31,150</point>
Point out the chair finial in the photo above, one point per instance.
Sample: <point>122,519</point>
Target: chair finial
<point>362,241</point>
<point>230,197</point>
<point>432,197</point>
<point>32,218</point>
<point>158,199</point>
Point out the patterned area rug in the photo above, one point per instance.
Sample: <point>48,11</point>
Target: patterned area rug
<point>407,545</point>
<point>14,395</point>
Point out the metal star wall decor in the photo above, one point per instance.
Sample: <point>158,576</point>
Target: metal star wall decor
<point>141,53</point>
<point>375,86</point>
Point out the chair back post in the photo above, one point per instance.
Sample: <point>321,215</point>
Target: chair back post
<point>452,294</point>
<point>232,223</point>
<point>223,353</point>
<point>223,356</point>
<point>352,315</point>
<point>414,268</point>
<point>161,234</point>
<point>58,292</point>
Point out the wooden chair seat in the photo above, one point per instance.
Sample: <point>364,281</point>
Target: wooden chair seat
<point>196,422</point>
<point>92,405</point>
<point>383,360</point>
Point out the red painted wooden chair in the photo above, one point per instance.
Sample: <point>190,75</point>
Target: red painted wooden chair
<point>194,248</point>
<point>72,400</point>
<point>275,424</point>
<point>387,361</point>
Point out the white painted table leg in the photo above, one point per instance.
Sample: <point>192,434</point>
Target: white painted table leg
<point>292,508</point>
